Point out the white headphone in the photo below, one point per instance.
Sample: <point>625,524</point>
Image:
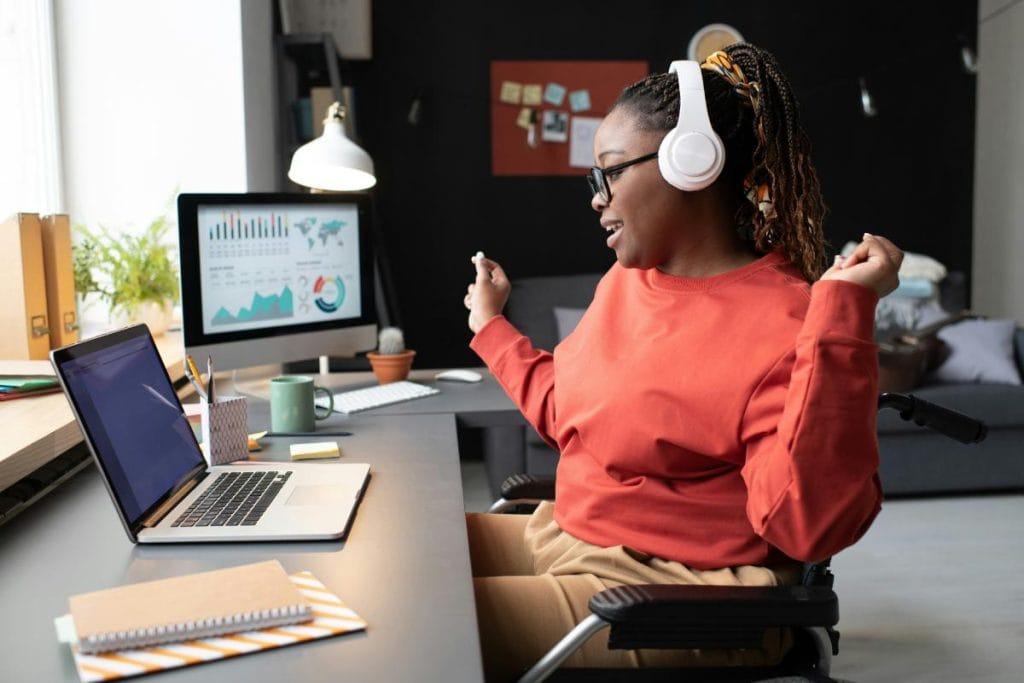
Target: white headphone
<point>692,155</point>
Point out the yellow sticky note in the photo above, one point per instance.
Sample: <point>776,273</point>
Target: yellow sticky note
<point>511,92</point>
<point>315,450</point>
<point>532,95</point>
<point>525,118</point>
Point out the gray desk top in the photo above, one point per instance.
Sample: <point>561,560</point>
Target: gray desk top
<point>478,404</point>
<point>404,567</point>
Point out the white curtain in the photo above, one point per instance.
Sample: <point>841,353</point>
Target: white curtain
<point>30,149</point>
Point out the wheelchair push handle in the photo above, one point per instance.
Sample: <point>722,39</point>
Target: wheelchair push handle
<point>955,425</point>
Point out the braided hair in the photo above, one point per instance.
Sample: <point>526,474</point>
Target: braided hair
<point>765,146</point>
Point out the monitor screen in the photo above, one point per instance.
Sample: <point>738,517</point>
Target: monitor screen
<point>271,278</point>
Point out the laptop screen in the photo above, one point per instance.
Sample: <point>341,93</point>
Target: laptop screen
<point>132,418</point>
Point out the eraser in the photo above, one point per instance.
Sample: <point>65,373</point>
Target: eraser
<point>315,450</point>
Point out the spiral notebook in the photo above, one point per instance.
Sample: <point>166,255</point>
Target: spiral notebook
<point>200,605</point>
<point>329,616</point>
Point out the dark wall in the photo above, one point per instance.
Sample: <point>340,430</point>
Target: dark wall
<point>907,173</point>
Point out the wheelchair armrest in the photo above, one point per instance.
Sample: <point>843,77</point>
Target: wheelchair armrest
<point>528,486</point>
<point>659,616</point>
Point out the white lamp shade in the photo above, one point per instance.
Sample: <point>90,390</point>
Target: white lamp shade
<point>332,162</point>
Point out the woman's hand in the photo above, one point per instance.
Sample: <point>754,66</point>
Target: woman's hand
<point>487,295</point>
<point>875,263</point>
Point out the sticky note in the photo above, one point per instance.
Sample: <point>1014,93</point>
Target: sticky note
<point>554,94</point>
<point>532,94</point>
<point>579,100</point>
<point>314,450</point>
<point>511,92</point>
<point>525,117</point>
<point>254,440</point>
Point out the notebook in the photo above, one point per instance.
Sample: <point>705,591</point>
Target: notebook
<point>150,460</point>
<point>200,605</point>
<point>331,617</point>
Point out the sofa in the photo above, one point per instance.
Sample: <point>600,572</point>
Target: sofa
<point>914,460</point>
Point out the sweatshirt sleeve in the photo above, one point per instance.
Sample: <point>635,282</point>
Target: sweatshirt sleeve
<point>812,474</point>
<point>526,374</point>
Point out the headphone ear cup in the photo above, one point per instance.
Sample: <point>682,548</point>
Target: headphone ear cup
<point>691,155</point>
<point>691,160</point>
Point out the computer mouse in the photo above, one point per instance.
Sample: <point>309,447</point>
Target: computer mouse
<point>458,376</point>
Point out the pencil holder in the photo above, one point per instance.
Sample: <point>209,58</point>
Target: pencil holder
<point>225,430</point>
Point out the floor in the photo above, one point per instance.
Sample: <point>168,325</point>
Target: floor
<point>934,592</point>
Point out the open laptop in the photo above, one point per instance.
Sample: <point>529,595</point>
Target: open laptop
<point>153,468</point>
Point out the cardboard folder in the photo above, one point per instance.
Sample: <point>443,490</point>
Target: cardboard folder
<point>24,330</point>
<point>60,279</point>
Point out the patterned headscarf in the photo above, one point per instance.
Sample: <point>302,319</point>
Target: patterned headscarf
<point>750,94</point>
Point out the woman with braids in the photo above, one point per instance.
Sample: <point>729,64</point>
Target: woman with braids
<point>715,406</point>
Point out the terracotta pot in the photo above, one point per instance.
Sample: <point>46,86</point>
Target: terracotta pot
<point>393,367</point>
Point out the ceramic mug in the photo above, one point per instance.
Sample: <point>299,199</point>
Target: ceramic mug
<point>292,404</point>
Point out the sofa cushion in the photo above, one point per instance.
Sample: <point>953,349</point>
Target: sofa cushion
<point>566,320</point>
<point>979,351</point>
<point>1000,406</point>
<point>531,307</point>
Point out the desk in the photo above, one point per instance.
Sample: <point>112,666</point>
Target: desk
<point>404,567</point>
<point>39,428</point>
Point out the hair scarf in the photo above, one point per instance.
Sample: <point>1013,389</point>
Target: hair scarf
<point>750,94</point>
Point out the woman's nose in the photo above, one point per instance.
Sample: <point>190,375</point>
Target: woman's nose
<point>597,202</point>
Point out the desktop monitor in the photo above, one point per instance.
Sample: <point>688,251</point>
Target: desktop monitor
<point>273,278</point>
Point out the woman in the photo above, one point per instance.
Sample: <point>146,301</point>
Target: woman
<point>714,410</point>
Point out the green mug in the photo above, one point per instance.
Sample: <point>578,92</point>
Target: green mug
<point>292,404</point>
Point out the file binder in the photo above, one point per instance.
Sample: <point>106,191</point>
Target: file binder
<point>23,314</point>
<point>60,279</point>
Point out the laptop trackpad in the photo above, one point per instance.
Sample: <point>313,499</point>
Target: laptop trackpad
<point>318,495</point>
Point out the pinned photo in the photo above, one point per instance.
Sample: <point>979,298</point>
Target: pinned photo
<point>555,126</point>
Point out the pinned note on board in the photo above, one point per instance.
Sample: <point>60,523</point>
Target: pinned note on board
<point>511,92</point>
<point>554,94</point>
<point>579,100</point>
<point>533,94</point>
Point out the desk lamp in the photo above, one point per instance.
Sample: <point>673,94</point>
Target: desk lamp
<point>332,161</point>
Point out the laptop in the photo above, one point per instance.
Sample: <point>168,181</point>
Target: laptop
<point>156,474</point>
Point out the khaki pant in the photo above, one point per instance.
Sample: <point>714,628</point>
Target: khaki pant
<point>533,581</point>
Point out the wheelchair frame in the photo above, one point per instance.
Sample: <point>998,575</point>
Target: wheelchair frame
<point>687,617</point>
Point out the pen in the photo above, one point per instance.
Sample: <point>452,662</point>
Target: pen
<point>308,434</point>
<point>192,373</point>
<point>209,379</point>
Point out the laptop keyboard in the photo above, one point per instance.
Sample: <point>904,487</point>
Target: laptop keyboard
<point>234,499</point>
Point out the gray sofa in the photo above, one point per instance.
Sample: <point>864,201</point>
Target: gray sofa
<point>914,459</point>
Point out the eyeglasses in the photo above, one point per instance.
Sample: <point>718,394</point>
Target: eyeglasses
<point>598,177</point>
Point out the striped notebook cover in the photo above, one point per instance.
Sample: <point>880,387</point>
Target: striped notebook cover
<point>331,617</point>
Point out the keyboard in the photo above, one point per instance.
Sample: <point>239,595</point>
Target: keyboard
<point>234,499</point>
<point>380,395</point>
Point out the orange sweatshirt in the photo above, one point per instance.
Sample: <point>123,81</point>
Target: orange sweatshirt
<point>717,421</point>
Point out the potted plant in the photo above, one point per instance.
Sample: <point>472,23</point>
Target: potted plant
<point>135,275</point>
<point>391,361</point>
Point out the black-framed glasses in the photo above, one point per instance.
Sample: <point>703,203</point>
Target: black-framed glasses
<point>598,177</point>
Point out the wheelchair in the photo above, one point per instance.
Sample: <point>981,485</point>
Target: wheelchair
<point>718,617</point>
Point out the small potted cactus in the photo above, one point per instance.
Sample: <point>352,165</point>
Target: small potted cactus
<point>391,361</point>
